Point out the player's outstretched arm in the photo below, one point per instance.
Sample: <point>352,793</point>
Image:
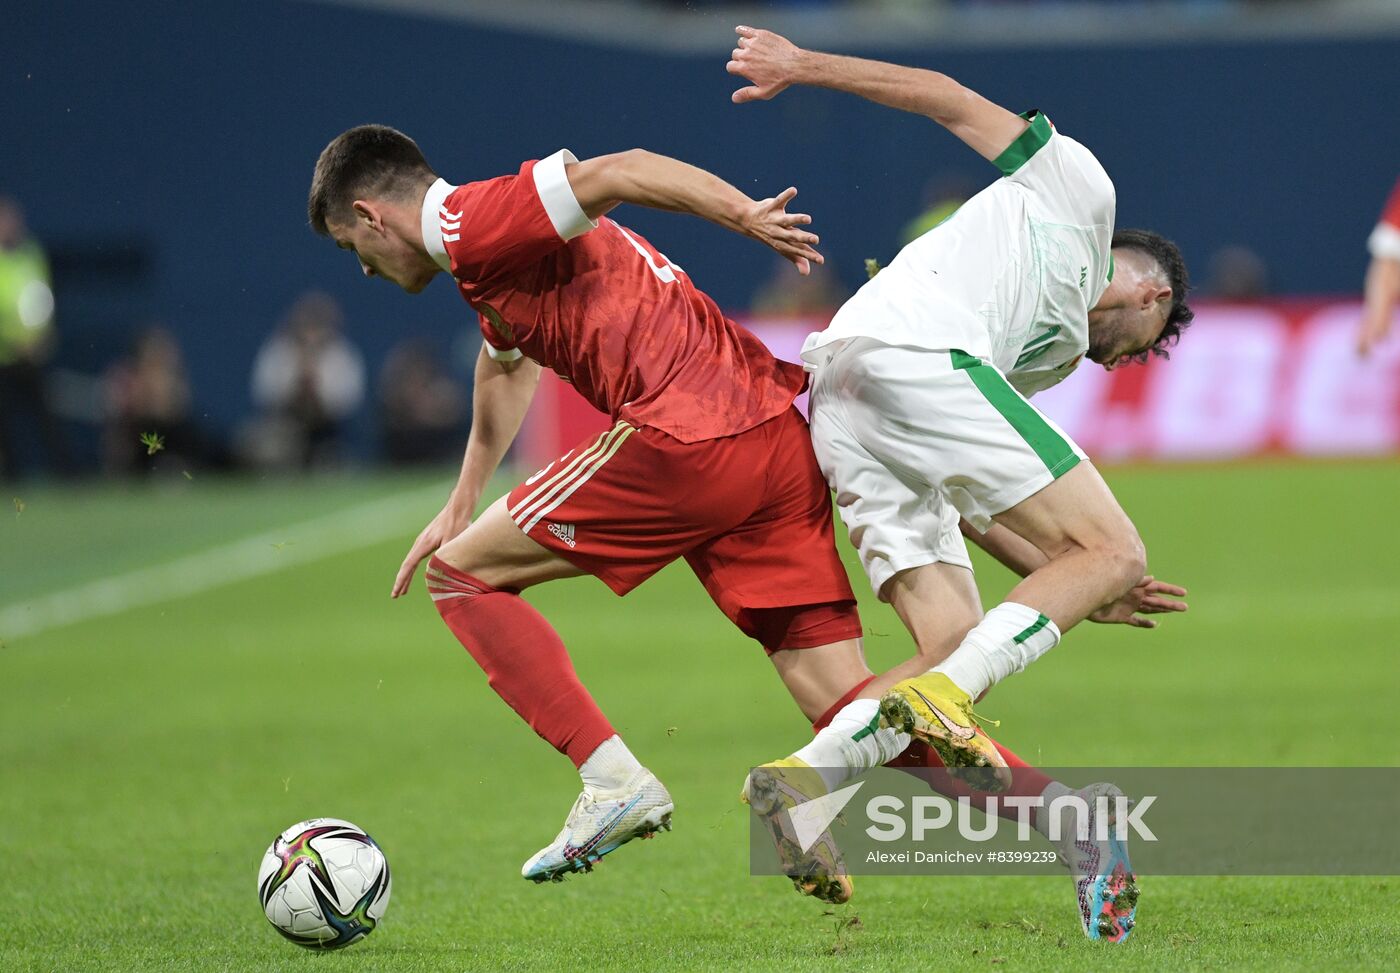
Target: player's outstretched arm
<point>660,182</point>
<point>500,399</point>
<point>1382,295</point>
<point>772,62</point>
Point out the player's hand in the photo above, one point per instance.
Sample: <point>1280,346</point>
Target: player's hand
<point>769,222</point>
<point>1148,597</point>
<point>449,522</point>
<point>1374,329</point>
<point>767,59</point>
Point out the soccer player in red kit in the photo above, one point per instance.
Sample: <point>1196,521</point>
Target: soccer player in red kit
<point>707,458</point>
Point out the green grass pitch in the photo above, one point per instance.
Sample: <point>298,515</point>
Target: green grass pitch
<point>148,757</point>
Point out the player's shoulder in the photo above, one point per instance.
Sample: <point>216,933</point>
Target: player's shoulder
<point>1057,176</point>
<point>1043,154</point>
<point>487,184</point>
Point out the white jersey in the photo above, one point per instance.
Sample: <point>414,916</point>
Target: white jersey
<point>1009,278</point>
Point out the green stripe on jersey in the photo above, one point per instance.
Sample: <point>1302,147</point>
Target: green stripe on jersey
<point>1052,448</point>
<point>1027,144</point>
<point>1040,622</point>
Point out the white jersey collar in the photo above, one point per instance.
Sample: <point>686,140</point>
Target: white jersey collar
<point>437,221</point>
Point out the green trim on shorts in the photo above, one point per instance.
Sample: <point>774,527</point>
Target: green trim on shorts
<point>1052,448</point>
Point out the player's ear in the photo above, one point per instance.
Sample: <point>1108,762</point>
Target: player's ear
<point>368,213</point>
<point>1156,296</point>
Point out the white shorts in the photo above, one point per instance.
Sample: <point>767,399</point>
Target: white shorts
<point>912,439</point>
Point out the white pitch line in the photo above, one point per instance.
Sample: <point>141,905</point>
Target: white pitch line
<point>266,553</point>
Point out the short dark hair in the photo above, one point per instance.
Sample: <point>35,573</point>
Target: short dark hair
<point>367,160</point>
<point>1168,258</point>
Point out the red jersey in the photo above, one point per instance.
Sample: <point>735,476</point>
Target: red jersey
<point>601,307</point>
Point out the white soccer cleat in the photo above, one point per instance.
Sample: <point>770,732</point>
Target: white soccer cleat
<point>1104,882</point>
<point>600,823</point>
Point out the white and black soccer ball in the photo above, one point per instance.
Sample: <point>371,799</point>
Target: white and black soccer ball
<point>324,884</point>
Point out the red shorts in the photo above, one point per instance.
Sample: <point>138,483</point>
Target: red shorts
<point>750,513</point>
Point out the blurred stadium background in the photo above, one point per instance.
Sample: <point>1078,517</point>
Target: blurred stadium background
<point>192,662</point>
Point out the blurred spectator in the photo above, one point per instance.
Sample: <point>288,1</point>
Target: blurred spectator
<point>423,410</point>
<point>26,340</point>
<point>787,294</point>
<point>1237,273</point>
<point>943,194</point>
<point>308,380</point>
<point>148,394</point>
<point>1382,277</point>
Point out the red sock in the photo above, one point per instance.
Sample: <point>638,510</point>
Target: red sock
<point>523,657</point>
<point>825,719</point>
<point>1026,781</point>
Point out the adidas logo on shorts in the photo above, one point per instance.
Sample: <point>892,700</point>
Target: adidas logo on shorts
<point>565,532</point>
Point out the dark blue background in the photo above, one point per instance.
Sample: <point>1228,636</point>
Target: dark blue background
<point>188,135</point>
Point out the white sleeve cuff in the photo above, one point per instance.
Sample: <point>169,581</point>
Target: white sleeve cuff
<point>496,354</point>
<point>552,183</point>
<point>1385,241</point>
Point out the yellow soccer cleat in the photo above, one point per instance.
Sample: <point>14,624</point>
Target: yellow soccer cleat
<point>773,790</point>
<point>932,708</point>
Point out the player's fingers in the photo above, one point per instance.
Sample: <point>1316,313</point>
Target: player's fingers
<point>793,235</point>
<point>410,564</point>
<point>403,579</point>
<point>743,31</point>
<point>804,267</point>
<point>1163,605</point>
<point>1137,621</point>
<point>1169,589</point>
<point>1159,608</point>
<point>785,197</point>
<point>751,93</point>
<point>734,67</point>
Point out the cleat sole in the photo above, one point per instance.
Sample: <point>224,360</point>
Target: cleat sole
<point>809,874</point>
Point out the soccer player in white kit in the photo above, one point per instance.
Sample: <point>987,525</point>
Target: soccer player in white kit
<point>922,426</point>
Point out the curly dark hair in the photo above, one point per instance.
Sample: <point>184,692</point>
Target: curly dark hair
<point>1168,257</point>
<point>365,160</point>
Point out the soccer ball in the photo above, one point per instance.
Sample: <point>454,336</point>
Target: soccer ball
<point>324,884</point>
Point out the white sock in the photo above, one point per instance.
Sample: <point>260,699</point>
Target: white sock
<point>1009,638</point>
<point>853,743</point>
<point>1053,790</point>
<point>609,767</point>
